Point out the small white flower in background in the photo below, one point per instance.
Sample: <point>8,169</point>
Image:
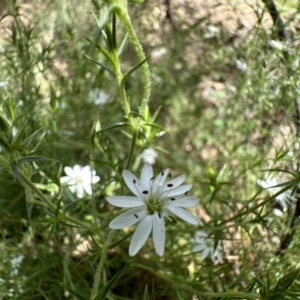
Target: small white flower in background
<point>149,155</point>
<point>155,199</point>
<point>3,83</point>
<point>15,264</point>
<point>98,97</point>
<point>276,44</point>
<point>284,199</point>
<point>241,65</point>
<point>207,246</point>
<point>80,179</point>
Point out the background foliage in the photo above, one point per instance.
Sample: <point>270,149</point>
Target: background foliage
<point>225,94</point>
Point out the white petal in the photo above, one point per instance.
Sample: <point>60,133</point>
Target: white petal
<point>178,191</point>
<point>65,179</point>
<point>146,175</point>
<point>69,171</point>
<point>140,235</point>
<point>159,181</point>
<point>134,184</point>
<point>184,215</point>
<point>88,189</point>
<point>86,171</point>
<point>77,171</point>
<point>125,201</point>
<point>95,179</point>
<point>198,247</point>
<point>186,201</point>
<point>175,182</point>
<point>79,191</point>
<point>128,218</point>
<point>204,253</point>
<point>159,234</point>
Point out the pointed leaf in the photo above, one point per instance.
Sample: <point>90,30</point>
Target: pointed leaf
<point>133,69</point>
<point>109,70</point>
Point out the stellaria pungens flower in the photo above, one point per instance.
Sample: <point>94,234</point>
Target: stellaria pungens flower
<point>155,199</point>
<point>80,179</point>
<point>284,199</point>
<point>207,246</point>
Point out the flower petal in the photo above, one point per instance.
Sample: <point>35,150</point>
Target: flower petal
<point>159,234</point>
<point>180,190</point>
<point>134,184</point>
<point>128,218</point>
<point>146,176</point>
<point>159,181</point>
<point>175,182</point>
<point>70,172</point>
<point>186,201</point>
<point>140,235</point>
<point>204,253</point>
<point>125,201</point>
<point>184,215</point>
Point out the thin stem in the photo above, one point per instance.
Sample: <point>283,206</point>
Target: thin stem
<point>46,201</point>
<point>123,14</point>
<point>97,280</point>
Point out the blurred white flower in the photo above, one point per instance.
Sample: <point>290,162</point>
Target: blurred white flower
<point>276,44</point>
<point>154,200</point>
<point>284,199</point>
<point>80,179</point>
<point>241,65</point>
<point>98,97</point>
<point>149,155</point>
<point>207,246</point>
<point>15,264</point>
<point>3,83</point>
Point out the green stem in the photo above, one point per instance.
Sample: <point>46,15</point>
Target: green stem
<point>123,14</point>
<point>133,141</point>
<point>97,280</point>
<point>61,215</point>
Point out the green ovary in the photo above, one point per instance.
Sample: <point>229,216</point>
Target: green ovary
<point>154,205</point>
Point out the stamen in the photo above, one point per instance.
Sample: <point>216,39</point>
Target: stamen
<point>136,216</point>
<point>169,185</point>
<point>134,181</point>
<point>145,192</point>
<point>162,173</point>
<point>152,178</point>
<point>186,193</point>
<point>173,199</point>
<point>159,215</point>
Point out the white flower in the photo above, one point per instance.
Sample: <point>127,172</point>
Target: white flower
<point>98,97</point>
<point>241,65</point>
<point>149,155</point>
<point>207,246</point>
<point>80,179</point>
<point>284,198</point>
<point>154,200</point>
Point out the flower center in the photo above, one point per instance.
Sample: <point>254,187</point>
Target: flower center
<point>154,205</point>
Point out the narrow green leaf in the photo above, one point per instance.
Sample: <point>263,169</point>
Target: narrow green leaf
<point>120,124</point>
<point>110,71</point>
<point>114,245</point>
<point>112,282</point>
<point>34,158</point>
<point>133,69</point>
<point>146,294</point>
<point>120,51</point>
<point>27,141</point>
<point>286,281</point>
